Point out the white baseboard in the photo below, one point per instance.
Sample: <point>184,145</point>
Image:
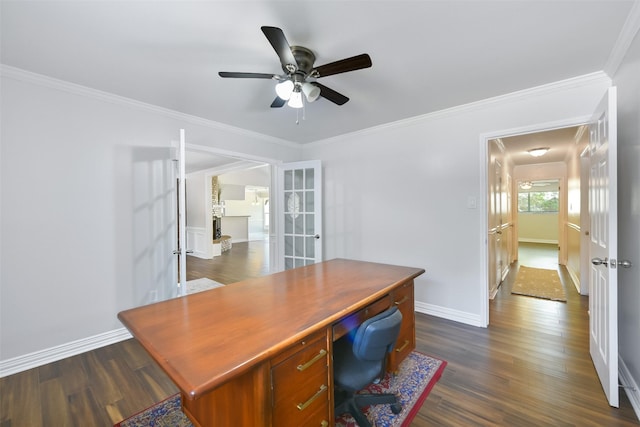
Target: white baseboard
<point>574,278</point>
<point>53,354</point>
<point>630,386</point>
<point>447,313</point>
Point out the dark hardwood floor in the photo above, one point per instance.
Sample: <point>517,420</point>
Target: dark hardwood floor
<point>243,261</point>
<point>530,367</point>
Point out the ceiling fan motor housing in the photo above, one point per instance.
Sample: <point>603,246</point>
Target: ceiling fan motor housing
<point>305,59</point>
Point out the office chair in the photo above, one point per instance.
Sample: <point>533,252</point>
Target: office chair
<point>360,359</point>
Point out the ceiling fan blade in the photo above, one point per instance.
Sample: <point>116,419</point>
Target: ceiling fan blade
<point>247,75</point>
<point>331,95</point>
<point>348,64</point>
<point>280,45</point>
<point>278,102</point>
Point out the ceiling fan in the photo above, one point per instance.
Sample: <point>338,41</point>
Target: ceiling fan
<point>300,74</point>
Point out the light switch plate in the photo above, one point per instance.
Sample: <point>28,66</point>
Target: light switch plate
<point>471,202</point>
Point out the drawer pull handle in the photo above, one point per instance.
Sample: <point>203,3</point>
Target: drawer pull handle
<point>319,356</point>
<point>302,406</point>
<point>406,343</point>
<point>402,300</point>
<point>324,423</point>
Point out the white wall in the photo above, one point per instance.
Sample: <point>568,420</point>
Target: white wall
<point>540,171</point>
<point>257,176</point>
<point>538,227</point>
<point>577,213</point>
<point>628,83</point>
<point>86,214</point>
<point>372,178</point>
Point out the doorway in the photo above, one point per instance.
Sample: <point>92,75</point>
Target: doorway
<point>509,164</point>
<point>538,219</point>
<point>227,230</point>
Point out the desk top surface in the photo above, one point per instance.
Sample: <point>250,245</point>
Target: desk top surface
<point>203,339</point>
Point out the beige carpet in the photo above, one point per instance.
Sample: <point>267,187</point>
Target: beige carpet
<point>539,283</point>
<point>199,285</point>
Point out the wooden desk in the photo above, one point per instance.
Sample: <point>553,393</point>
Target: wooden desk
<point>254,352</point>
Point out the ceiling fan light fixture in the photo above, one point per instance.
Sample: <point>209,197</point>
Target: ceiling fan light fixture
<point>284,89</point>
<point>295,100</point>
<point>312,92</point>
<point>537,152</point>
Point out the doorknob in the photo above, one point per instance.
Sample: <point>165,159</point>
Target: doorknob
<point>598,261</point>
<point>179,251</point>
<point>625,263</point>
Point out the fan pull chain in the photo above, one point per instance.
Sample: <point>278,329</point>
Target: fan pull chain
<point>304,112</point>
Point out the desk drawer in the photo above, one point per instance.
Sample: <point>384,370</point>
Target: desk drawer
<point>404,300</point>
<point>300,383</point>
<point>317,413</point>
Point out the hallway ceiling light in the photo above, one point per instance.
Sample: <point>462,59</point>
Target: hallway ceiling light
<point>526,185</point>
<point>537,152</point>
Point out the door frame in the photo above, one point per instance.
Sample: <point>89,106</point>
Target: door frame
<point>273,208</point>
<point>484,139</point>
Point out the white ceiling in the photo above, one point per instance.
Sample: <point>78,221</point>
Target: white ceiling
<point>427,55</point>
<point>558,141</point>
<point>204,161</point>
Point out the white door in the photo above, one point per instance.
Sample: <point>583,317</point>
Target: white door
<point>181,238</point>
<point>300,218</point>
<point>603,277</point>
<point>154,228</point>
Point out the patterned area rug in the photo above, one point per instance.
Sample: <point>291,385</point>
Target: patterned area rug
<point>417,375</point>
<point>199,285</point>
<point>167,413</point>
<point>539,283</point>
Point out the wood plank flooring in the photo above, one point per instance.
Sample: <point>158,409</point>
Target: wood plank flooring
<point>243,261</point>
<point>531,367</point>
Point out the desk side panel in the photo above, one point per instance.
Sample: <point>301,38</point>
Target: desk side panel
<point>242,401</point>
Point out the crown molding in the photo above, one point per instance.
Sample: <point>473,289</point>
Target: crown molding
<point>53,83</point>
<point>549,88</point>
<point>76,89</point>
<point>629,31</point>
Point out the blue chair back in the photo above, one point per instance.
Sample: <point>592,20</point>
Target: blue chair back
<point>376,336</point>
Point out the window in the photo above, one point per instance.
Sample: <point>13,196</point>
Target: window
<point>538,201</point>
